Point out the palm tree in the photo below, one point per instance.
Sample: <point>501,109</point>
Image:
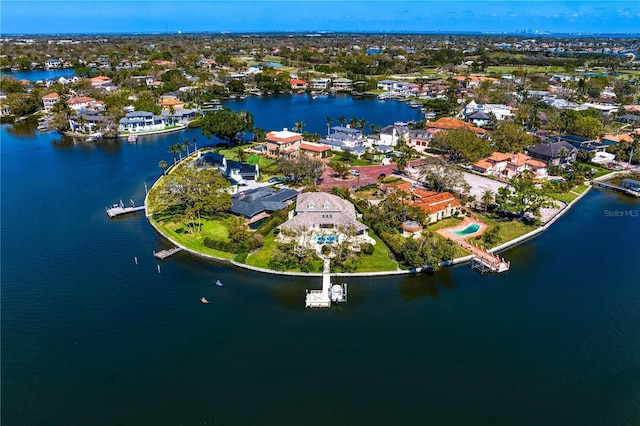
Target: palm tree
<point>174,149</point>
<point>187,144</point>
<point>297,127</point>
<point>353,122</point>
<point>329,120</point>
<point>342,120</point>
<point>361,124</point>
<point>487,198</point>
<point>195,144</point>
<point>163,165</point>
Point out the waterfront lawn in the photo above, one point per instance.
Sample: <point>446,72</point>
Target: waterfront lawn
<point>568,197</point>
<point>445,223</point>
<point>212,229</point>
<point>379,260</point>
<point>260,258</point>
<point>509,229</point>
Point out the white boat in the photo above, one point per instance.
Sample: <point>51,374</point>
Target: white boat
<point>204,301</point>
<point>219,283</point>
<point>132,138</point>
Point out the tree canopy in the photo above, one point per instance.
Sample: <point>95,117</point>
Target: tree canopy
<point>461,145</point>
<point>440,176</point>
<point>190,193</point>
<point>509,137</point>
<point>226,123</point>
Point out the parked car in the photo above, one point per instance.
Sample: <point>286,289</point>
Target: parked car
<point>274,180</point>
<point>355,172</point>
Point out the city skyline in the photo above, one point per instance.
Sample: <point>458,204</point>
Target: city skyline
<point>250,16</point>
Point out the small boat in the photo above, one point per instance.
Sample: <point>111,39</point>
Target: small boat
<point>219,283</point>
<point>204,301</point>
<point>132,138</point>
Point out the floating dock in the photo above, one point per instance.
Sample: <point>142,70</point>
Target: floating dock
<point>162,255</point>
<point>323,298</point>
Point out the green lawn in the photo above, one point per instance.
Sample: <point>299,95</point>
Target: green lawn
<point>379,260</point>
<point>509,229</point>
<point>195,242</point>
<point>260,259</point>
<point>444,223</point>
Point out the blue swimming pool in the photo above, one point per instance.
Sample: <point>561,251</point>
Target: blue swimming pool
<point>472,228</point>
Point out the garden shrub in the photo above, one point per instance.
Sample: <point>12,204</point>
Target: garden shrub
<point>367,248</point>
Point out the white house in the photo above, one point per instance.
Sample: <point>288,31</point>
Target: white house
<point>320,83</point>
<point>48,101</point>
<point>143,121</point>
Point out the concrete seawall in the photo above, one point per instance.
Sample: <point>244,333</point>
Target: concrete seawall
<point>457,261</point>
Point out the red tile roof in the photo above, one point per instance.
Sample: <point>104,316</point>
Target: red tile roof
<point>449,123</point>
<point>80,100</point>
<point>436,202</point>
<point>51,96</point>
<point>314,148</point>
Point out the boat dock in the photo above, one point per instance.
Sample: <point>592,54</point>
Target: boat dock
<point>491,263</point>
<point>162,255</point>
<point>336,293</point>
<point>119,209</point>
<point>482,260</point>
<point>612,187</point>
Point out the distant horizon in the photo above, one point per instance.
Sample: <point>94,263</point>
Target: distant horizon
<point>320,33</point>
<point>487,17</point>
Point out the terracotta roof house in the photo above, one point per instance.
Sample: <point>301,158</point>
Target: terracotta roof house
<point>317,150</point>
<point>319,211</point>
<point>81,102</point>
<point>283,142</point>
<point>169,103</point>
<point>510,165</point>
<point>554,153</point>
<point>297,84</point>
<point>437,205</point>
<point>390,188</point>
<point>48,101</point>
<point>450,123</point>
<point>100,80</point>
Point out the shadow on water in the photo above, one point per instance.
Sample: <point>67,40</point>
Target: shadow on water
<point>428,283</point>
<point>26,129</point>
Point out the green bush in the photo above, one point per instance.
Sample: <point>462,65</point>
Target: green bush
<point>326,250</point>
<point>367,248</point>
<point>241,257</point>
<point>226,246</point>
<point>276,219</point>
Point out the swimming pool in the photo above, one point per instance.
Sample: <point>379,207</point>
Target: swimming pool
<point>471,228</point>
<point>329,239</point>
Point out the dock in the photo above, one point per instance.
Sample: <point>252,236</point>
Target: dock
<point>482,260</point>
<point>336,293</point>
<point>120,210</point>
<point>612,187</point>
<point>162,255</point>
<point>489,263</point>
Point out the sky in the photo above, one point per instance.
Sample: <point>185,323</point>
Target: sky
<point>171,16</point>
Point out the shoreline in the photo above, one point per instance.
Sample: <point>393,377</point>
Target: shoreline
<point>453,262</point>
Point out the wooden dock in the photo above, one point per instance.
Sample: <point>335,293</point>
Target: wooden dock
<point>162,255</point>
<point>482,260</point>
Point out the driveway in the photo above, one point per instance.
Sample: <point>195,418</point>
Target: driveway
<point>480,183</point>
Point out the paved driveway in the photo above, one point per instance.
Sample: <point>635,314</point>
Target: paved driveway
<point>480,183</point>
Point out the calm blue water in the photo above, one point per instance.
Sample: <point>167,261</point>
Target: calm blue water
<point>88,338</point>
<point>37,75</point>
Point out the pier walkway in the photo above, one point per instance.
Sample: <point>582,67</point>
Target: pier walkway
<point>612,187</point>
<point>323,298</point>
<point>162,255</point>
<point>119,209</point>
